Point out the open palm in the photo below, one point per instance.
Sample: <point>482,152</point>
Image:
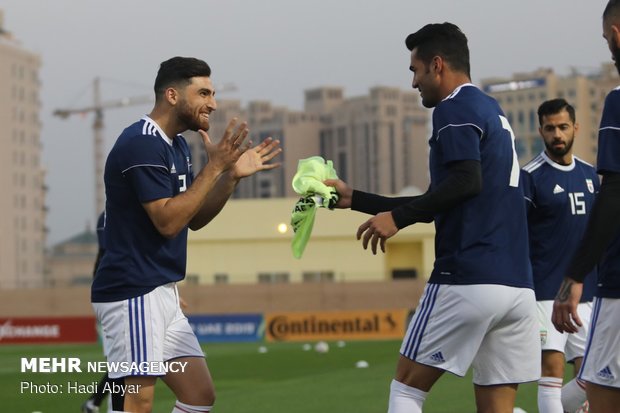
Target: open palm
<point>256,158</point>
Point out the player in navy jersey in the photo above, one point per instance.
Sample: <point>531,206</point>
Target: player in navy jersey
<point>92,404</point>
<point>559,191</point>
<point>478,307</point>
<point>152,197</point>
<point>600,244</point>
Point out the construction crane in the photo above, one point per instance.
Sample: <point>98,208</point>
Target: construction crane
<point>98,108</point>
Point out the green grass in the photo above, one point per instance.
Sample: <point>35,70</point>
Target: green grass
<point>284,379</point>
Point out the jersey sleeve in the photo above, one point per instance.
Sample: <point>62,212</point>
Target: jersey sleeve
<point>529,191</point>
<point>144,163</point>
<point>458,137</point>
<point>608,159</point>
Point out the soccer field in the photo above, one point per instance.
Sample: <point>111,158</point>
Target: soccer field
<point>285,378</point>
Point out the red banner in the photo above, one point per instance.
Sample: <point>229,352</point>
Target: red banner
<point>48,330</point>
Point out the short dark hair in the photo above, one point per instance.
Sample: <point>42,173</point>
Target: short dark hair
<point>441,39</point>
<point>612,10</point>
<point>178,71</point>
<point>553,106</point>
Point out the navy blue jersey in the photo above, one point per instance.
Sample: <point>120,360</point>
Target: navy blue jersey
<point>558,199</point>
<point>100,228</point>
<point>608,160</point>
<point>144,165</point>
<point>484,239</point>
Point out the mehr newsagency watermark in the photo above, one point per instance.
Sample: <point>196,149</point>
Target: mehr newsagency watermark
<point>48,365</point>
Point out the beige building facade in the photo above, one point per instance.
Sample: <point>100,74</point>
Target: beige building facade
<point>521,95</point>
<point>22,178</point>
<point>71,262</point>
<point>249,242</point>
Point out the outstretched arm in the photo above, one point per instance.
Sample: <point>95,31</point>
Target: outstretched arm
<point>463,181</point>
<point>171,215</point>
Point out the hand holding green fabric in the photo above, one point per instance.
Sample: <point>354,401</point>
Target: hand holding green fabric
<point>308,182</point>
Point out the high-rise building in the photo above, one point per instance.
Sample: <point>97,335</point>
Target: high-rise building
<point>22,178</point>
<point>377,142</point>
<point>521,95</point>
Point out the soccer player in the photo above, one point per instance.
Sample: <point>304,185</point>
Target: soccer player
<point>600,244</point>
<point>478,307</point>
<point>93,403</point>
<point>559,192</point>
<point>152,198</point>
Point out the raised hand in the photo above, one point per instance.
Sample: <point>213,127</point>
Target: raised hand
<point>256,159</point>
<point>224,154</point>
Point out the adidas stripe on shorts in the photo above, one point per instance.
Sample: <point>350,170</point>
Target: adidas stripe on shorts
<point>491,327</point>
<point>601,364</point>
<point>147,329</point>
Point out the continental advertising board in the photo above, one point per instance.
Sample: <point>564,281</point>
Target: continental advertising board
<point>335,325</point>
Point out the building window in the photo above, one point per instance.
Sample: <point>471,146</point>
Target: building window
<point>533,120</point>
<point>520,148</point>
<point>520,119</point>
<point>220,278</point>
<point>192,279</point>
<point>404,273</point>
<point>273,277</point>
<point>318,276</point>
<point>537,146</point>
<point>342,137</point>
<point>342,165</point>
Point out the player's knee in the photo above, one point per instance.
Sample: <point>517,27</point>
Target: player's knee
<point>207,397</point>
<point>202,396</point>
<point>139,402</point>
<point>139,405</point>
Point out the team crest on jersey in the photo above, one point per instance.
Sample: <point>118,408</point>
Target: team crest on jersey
<point>543,336</point>
<point>173,170</point>
<point>590,185</point>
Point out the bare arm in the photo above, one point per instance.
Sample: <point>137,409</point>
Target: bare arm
<point>253,160</point>
<point>171,215</point>
<point>214,202</point>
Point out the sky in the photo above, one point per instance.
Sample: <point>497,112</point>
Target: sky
<point>270,50</point>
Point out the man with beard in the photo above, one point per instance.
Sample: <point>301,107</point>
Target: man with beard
<point>600,244</point>
<point>559,190</point>
<point>478,307</point>
<point>152,199</point>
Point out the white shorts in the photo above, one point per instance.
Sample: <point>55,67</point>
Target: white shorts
<point>601,364</point>
<point>490,327</point>
<point>572,345</point>
<point>147,331</point>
